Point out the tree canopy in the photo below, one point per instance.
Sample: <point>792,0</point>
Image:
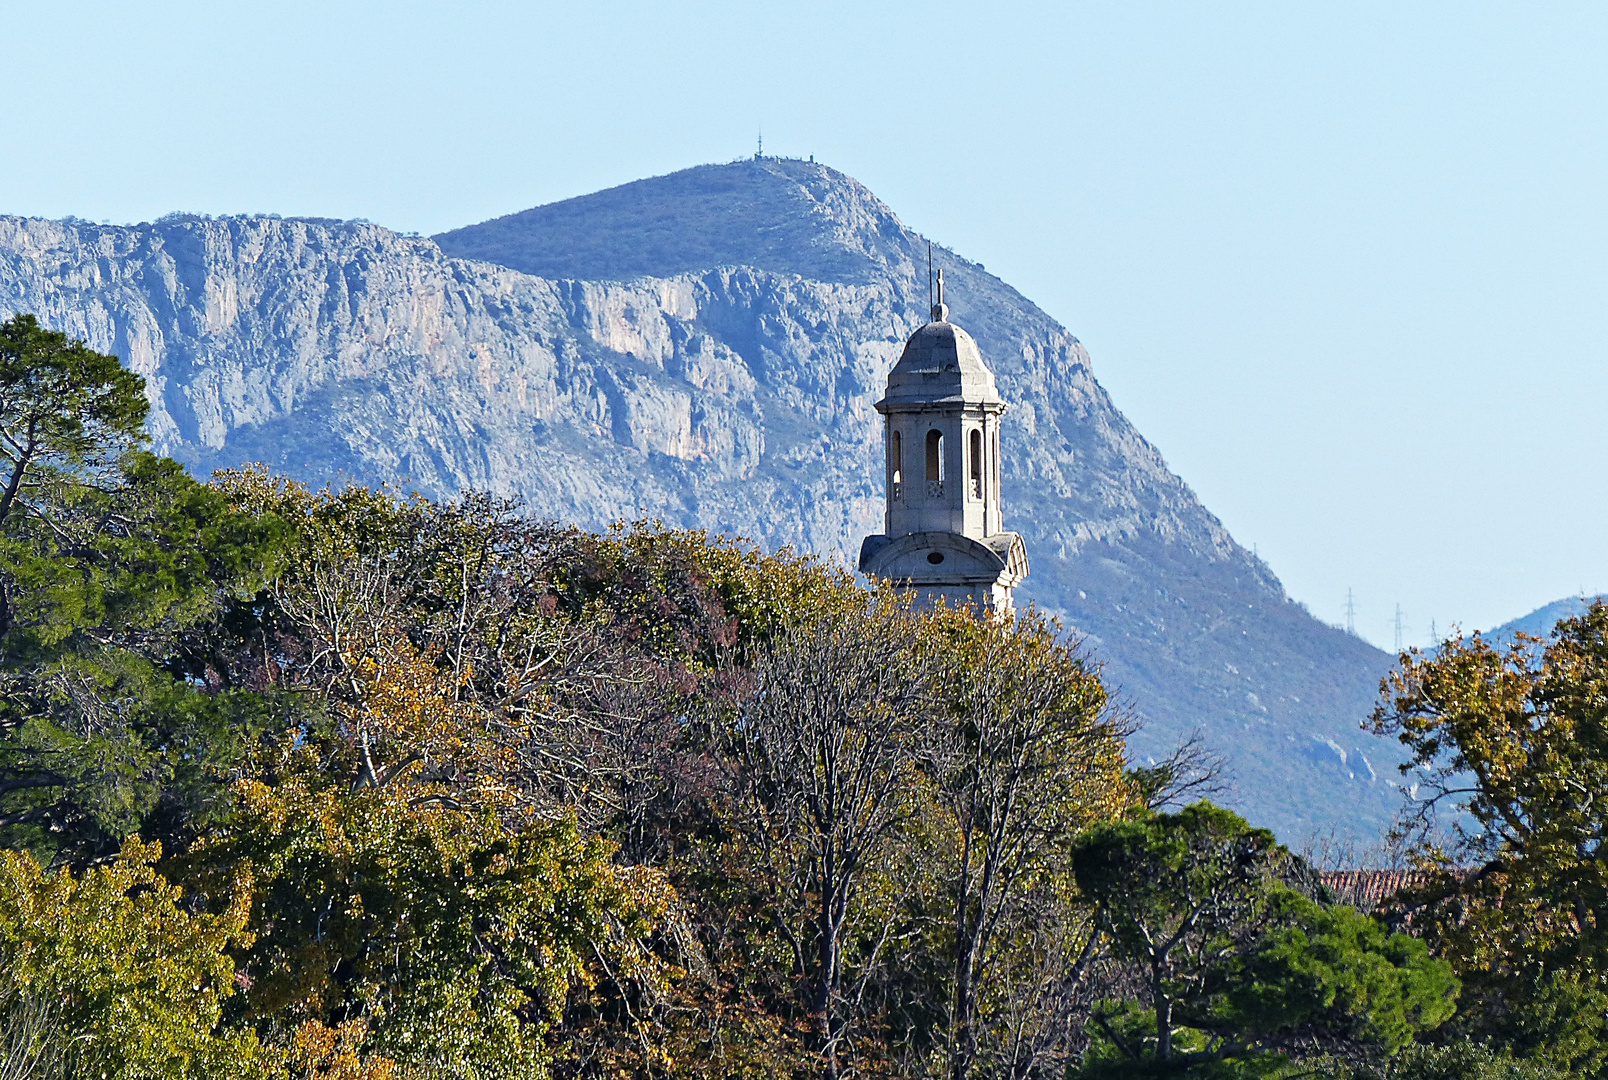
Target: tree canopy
<point>361,785</point>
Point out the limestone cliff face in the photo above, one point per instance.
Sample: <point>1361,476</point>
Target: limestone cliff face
<point>706,348</point>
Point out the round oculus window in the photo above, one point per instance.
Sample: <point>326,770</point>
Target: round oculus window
<point>935,557</point>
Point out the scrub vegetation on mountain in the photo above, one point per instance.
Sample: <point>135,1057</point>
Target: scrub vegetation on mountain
<point>345,784</point>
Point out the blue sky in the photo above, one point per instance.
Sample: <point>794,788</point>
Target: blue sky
<point>1345,264</point>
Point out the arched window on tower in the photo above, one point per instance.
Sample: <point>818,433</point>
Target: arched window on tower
<point>896,464</point>
<point>935,463</point>
<point>976,464</point>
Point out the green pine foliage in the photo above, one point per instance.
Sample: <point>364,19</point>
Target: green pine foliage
<point>1240,968</point>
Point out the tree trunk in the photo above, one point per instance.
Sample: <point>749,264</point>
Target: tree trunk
<point>824,987</point>
<point>964,1051</point>
<point>1163,1016</point>
<point>963,1048</point>
<point>18,472</point>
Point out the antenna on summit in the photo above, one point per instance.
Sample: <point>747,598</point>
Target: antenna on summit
<point>759,152</point>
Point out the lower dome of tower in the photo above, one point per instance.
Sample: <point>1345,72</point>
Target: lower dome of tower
<point>941,362</point>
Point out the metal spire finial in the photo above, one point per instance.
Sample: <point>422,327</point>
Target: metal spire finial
<point>940,310</point>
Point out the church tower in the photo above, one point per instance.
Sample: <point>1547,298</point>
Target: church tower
<point>944,532</point>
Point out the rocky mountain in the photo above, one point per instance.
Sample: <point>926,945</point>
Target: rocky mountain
<point>705,348</point>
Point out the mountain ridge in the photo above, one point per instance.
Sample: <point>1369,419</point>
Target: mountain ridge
<point>726,396</point>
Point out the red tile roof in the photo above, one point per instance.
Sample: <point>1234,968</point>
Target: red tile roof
<point>1369,889</point>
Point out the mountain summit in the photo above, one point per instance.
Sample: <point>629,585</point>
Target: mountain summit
<point>706,348</point>
<point>777,215</point>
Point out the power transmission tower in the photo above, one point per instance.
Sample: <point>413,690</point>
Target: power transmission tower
<point>1398,628</point>
<point>1351,615</point>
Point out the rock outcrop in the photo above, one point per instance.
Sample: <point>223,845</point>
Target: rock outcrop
<point>705,348</point>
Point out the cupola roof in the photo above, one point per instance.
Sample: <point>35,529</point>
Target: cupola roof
<point>941,363</point>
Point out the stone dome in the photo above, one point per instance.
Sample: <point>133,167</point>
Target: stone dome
<point>941,363</point>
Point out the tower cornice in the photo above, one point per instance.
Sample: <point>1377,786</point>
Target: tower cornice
<point>948,406</point>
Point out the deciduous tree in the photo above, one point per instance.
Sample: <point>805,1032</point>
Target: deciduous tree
<point>456,939</point>
<point>1518,740</point>
<point>107,973</point>
<point>825,750</point>
<point>1024,754</point>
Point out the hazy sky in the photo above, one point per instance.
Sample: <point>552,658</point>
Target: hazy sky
<point>1344,264</point>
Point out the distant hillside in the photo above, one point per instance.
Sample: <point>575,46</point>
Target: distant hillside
<point>705,348</point>
<point>1540,622</point>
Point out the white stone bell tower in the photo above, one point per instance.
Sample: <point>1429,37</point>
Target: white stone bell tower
<point>944,530</point>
